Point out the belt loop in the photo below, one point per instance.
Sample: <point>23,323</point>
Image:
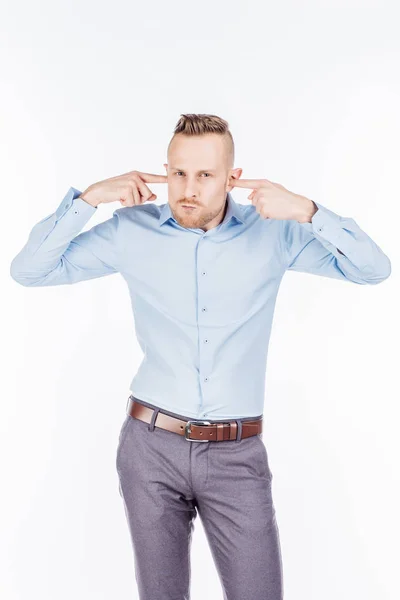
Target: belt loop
<point>153,419</point>
<point>220,432</point>
<point>239,431</point>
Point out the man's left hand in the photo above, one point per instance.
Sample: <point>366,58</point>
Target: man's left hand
<point>273,201</point>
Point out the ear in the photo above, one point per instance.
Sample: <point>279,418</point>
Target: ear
<point>166,167</point>
<point>235,173</point>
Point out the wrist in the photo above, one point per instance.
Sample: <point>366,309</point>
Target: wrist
<point>89,199</point>
<point>308,208</point>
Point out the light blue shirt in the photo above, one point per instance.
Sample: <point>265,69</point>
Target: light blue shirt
<point>203,301</point>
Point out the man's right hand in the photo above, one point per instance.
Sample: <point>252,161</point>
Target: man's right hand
<point>130,189</point>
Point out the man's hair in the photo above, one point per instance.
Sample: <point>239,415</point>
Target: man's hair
<point>202,124</point>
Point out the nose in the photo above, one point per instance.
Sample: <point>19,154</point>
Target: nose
<point>190,191</point>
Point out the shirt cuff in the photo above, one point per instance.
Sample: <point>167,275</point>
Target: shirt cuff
<point>71,201</point>
<point>327,225</point>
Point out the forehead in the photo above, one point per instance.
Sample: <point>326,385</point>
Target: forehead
<point>196,151</point>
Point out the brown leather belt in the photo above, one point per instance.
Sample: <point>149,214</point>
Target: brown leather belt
<point>195,430</point>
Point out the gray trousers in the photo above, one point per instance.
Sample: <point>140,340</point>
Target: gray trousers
<point>165,480</point>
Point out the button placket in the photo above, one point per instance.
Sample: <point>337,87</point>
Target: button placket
<point>204,356</point>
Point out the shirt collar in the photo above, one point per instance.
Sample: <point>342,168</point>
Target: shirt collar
<point>232,212</point>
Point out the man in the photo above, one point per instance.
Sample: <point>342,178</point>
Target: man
<point>203,273</point>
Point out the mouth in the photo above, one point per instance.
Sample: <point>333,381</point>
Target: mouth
<point>188,206</point>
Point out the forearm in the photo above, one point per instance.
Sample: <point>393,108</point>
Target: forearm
<point>49,239</point>
<point>340,247</point>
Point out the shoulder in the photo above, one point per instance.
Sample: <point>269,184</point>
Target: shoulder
<point>252,218</point>
<point>140,214</point>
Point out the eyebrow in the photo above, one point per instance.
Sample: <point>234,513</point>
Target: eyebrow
<point>200,171</point>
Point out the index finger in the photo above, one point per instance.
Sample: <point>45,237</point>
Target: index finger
<point>153,178</point>
<point>248,183</point>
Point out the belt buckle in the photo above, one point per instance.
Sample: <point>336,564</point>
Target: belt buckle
<point>188,430</point>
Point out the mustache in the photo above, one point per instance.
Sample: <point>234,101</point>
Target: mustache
<point>188,203</point>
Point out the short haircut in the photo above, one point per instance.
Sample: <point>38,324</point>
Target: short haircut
<point>202,124</point>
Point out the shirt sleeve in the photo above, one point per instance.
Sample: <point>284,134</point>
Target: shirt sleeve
<point>333,246</point>
<point>56,253</point>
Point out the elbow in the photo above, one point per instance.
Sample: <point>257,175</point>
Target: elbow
<point>23,277</point>
<point>377,275</point>
<point>15,274</point>
<point>19,278</point>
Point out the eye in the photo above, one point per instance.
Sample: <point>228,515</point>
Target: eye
<point>206,173</point>
<point>178,172</point>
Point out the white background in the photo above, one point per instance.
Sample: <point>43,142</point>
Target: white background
<point>311,92</point>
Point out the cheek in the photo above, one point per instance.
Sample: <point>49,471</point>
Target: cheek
<point>213,189</point>
<point>176,188</point>
<point>174,192</point>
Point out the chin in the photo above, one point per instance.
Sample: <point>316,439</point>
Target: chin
<point>188,223</point>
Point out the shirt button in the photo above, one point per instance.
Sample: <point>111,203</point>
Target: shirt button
<point>67,205</point>
<point>203,272</point>
<point>76,212</point>
<point>320,228</point>
<point>206,341</point>
<point>204,309</point>
<point>206,378</point>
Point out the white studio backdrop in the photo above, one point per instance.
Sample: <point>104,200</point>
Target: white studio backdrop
<point>311,91</point>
